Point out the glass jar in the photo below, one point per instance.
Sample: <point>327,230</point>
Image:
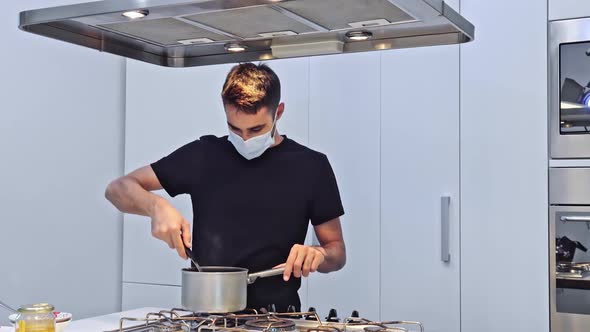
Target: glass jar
<point>35,318</point>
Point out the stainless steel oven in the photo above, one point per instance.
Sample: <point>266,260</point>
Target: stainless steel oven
<point>569,88</point>
<point>569,230</point>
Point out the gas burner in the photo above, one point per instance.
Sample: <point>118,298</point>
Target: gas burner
<point>384,329</point>
<point>375,329</point>
<point>271,325</point>
<point>162,327</point>
<point>324,328</point>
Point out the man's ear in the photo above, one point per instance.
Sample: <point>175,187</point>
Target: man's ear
<point>280,110</point>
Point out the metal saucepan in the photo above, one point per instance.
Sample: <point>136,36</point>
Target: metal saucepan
<point>218,289</point>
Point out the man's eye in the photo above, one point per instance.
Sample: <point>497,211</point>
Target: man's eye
<point>255,130</point>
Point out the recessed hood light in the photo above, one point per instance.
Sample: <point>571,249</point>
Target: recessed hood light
<point>235,47</point>
<point>359,35</point>
<point>134,14</point>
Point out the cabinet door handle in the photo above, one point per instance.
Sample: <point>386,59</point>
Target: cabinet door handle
<point>575,218</point>
<point>445,232</point>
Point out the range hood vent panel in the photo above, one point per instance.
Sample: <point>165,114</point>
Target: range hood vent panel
<point>250,22</point>
<point>163,31</point>
<point>338,14</point>
<point>186,33</point>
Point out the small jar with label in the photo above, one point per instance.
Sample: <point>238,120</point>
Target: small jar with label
<point>35,318</point>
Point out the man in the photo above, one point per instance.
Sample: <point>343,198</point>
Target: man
<point>253,193</point>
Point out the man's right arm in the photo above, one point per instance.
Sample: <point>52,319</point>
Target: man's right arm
<point>132,194</point>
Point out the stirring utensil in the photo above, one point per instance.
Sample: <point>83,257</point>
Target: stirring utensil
<point>189,253</point>
<point>6,306</point>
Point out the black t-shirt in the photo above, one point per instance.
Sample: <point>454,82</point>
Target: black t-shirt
<point>249,213</point>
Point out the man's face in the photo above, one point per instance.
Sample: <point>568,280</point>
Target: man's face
<point>251,125</point>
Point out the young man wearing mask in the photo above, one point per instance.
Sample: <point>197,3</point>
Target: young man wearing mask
<point>253,192</point>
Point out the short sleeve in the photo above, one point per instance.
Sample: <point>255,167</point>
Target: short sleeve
<point>326,203</point>
<point>178,172</point>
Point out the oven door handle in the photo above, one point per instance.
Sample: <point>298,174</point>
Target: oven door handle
<point>575,218</point>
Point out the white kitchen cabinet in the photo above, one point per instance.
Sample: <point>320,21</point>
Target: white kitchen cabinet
<point>419,165</point>
<point>146,295</point>
<point>504,190</point>
<point>167,108</point>
<point>565,9</point>
<point>344,124</point>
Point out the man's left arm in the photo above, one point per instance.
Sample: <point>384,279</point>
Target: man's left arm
<point>332,246</point>
<point>325,210</point>
<point>329,256</point>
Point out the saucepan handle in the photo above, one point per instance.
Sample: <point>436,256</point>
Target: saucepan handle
<point>266,273</point>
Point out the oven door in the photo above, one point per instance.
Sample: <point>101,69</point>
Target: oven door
<point>569,88</point>
<point>570,293</point>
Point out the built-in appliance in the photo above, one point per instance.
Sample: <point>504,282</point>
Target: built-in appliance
<point>569,230</point>
<point>569,88</point>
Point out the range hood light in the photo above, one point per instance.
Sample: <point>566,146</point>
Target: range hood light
<point>266,56</point>
<point>235,47</point>
<point>359,35</point>
<point>383,46</point>
<point>134,14</point>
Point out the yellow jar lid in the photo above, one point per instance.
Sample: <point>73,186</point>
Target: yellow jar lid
<point>37,308</point>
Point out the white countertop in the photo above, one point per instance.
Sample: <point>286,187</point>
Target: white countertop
<point>101,323</point>
<point>108,322</point>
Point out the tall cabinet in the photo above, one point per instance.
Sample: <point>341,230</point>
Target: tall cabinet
<point>344,124</point>
<point>420,187</point>
<point>389,122</point>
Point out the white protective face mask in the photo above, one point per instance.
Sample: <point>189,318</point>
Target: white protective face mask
<point>255,146</point>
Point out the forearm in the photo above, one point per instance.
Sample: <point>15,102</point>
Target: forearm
<point>129,196</point>
<point>335,256</point>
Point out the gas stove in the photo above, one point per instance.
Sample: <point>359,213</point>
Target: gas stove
<point>179,320</point>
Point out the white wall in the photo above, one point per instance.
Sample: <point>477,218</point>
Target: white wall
<point>504,208</point>
<point>61,127</point>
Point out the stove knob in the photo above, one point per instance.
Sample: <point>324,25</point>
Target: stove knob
<point>311,317</point>
<point>272,308</point>
<point>355,314</point>
<point>292,309</point>
<point>333,316</point>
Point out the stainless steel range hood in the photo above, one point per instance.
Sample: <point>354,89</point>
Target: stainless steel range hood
<point>180,33</point>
